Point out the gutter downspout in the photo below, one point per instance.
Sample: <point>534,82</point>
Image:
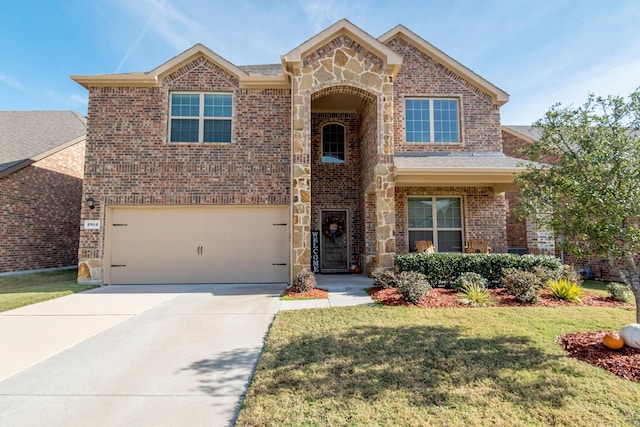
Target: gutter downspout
<point>291,78</point>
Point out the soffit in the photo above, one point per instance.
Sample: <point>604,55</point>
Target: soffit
<point>499,96</point>
<point>337,102</point>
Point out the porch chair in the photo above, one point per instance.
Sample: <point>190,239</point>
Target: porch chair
<point>425,246</point>
<point>477,247</point>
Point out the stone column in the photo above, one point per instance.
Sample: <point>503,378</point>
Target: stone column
<point>385,215</point>
<point>539,240</point>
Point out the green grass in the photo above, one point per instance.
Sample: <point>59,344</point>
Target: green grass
<point>595,287</point>
<point>383,366</point>
<point>24,289</point>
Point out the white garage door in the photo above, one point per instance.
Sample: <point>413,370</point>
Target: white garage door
<point>198,245</point>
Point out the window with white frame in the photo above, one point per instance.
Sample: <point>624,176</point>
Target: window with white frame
<point>200,117</point>
<point>438,219</point>
<point>433,120</point>
<point>333,143</point>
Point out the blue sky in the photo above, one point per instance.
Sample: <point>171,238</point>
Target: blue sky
<point>540,52</point>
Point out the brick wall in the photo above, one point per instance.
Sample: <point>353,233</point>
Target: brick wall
<point>422,76</point>
<point>130,162</point>
<point>483,214</point>
<point>40,211</point>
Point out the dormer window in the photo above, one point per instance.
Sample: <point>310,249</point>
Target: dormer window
<point>200,117</point>
<point>432,120</point>
<point>333,143</point>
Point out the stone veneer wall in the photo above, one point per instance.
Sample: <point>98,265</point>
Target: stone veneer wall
<point>369,131</point>
<point>483,213</point>
<point>40,207</point>
<point>131,162</point>
<point>342,63</point>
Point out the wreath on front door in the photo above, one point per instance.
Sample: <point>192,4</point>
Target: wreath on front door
<point>333,227</point>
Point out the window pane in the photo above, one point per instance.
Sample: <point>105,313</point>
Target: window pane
<point>418,235</point>
<point>217,131</point>
<point>185,105</point>
<point>333,143</point>
<point>445,117</point>
<point>449,212</point>
<point>420,213</point>
<point>449,241</point>
<point>417,120</point>
<point>217,105</point>
<point>183,130</point>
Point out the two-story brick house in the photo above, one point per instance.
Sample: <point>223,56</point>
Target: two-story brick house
<point>204,171</point>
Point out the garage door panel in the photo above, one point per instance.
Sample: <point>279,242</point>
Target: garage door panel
<point>199,245</point>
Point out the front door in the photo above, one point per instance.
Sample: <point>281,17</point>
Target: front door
<point>334,251</point>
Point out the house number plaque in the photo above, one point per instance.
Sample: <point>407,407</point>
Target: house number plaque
<point>91,224</point>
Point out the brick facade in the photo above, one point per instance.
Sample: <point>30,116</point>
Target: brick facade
<point>130,162</point>
<point>40,211</point>
<point>274,157</point>
<point>483,214</point>
<point>422,76</point>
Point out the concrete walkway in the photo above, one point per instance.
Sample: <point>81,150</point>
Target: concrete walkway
<point>170,355</point>
<point>344,290</point>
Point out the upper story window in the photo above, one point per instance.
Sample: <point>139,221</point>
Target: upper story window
<point>432,120</point>
<point>333,143</point>
<point>200,117</point>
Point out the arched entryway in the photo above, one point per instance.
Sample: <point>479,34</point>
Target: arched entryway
<point>344,149</point>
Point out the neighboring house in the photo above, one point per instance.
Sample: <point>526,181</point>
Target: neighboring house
<point>41,169</point>
<point>205,171</point>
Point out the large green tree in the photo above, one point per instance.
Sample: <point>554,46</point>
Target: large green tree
<point>585,182</point>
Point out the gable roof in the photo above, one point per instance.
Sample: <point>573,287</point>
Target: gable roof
<point>528,133</point>
<point>264,78</point>
<point>28,136</point>
<point>499,96</point>
<point>391,59</point>
<point>275,75</point>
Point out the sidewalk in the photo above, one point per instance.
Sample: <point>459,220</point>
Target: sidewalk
<point>344,290</point>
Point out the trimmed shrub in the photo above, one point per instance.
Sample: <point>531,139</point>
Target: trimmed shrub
<point>571,274</point>
<point>383,278</point>
<point>442,269</point>
<point>469,278</point>
<point>476,295</point>
<point>304,281</point>
<point>619,291</point>
<point>524,285</point>
<point>413,286</point>
<point>565,290</point>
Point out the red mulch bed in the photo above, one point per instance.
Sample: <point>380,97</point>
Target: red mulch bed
<point>585,346</point>
<point>447,298</point>
<point>314,293</point>
<point>588,347</point>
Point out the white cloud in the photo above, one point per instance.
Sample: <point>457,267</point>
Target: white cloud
<point>10,81</point>
<point>321,13</point>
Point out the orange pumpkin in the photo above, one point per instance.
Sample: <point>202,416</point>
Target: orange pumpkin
<point>613,341</point>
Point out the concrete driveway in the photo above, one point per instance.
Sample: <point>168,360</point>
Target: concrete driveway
<point>172,355</point>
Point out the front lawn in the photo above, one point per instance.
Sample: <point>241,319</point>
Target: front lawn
<point>379,365</point>
<point>596,287</point>
<point>24,289</point>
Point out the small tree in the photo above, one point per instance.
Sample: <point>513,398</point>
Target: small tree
<point>589,181</point>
